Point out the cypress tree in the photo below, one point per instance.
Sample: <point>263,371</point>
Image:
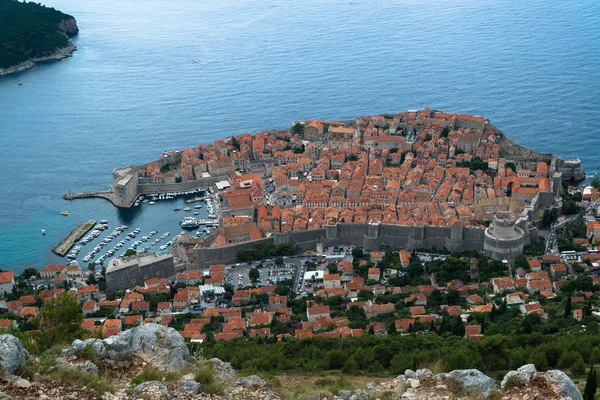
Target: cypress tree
<point>568,308</point>
<point>590,385</point>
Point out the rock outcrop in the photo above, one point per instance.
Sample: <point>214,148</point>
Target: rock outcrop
<point>558,380</point>
<point>163,348</point>
<point>12,354</point>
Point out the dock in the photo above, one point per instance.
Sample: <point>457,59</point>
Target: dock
<point>65,246</point>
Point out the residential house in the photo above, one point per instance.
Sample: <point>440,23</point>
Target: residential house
<point>558,270</point>
<point>535,265</point>
<point>417,299</point>
<point>180,300</point>
<point>374,310</point>
<point>374,274</point>
<point>261,318</point>
<point>52,270</point>
<point>403,325</point>
<point>89,307</point>
<point>502,284</point>
<point>140,306</point>
<point>91,292</point>
<point>416,311</point>
<point>28,312</point>
<point>133,320</point>
<point>276,302</point>
<point>7,282</point>
<point>111,327</point>
<point>331,281</point>
<point>473,331</point>
<point>164,307</point>
<point>314,312</point>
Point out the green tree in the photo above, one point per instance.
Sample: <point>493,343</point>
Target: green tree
<point>596,183</point>
<point>254,274</point>
<point>129,252</point>
<point>59,321</point>
<point>568,307</point>
<point>28,273</point>
<point>578,367</point>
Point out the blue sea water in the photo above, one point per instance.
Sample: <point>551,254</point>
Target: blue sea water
<point>161,74</point>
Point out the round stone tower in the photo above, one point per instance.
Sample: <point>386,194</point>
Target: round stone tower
<point>504,240</point>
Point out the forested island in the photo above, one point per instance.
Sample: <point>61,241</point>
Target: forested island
<point>30,33</point>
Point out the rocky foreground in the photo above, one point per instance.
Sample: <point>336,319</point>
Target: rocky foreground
<point>153,362</point>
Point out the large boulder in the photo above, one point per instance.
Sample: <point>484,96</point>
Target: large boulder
<point>564,385</point>
<point>158,345</point>
<point>473,379</point>
<point>224,372</point>
<point>522,374</point>
<point>187,385</point>
<point>12,353</point>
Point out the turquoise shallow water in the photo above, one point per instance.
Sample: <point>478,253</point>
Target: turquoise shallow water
<point>155,74</point>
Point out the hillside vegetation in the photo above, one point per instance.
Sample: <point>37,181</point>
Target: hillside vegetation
<point>29,30</point>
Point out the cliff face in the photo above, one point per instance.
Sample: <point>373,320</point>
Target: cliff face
<point>69,27</point>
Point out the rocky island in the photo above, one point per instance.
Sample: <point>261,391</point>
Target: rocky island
<point>32,33</point>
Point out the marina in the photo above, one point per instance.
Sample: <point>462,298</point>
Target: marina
<point>65,246</point>
<point>110,237</point>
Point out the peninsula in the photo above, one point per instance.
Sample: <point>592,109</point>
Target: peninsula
<point>32,33</point>
<point>415,179</point>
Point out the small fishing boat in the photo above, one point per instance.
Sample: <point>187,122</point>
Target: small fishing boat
<point>43,231</point>
<point>65,213</point>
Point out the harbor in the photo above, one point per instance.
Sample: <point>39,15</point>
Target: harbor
<point>150,227</point>
<point>65,246</point>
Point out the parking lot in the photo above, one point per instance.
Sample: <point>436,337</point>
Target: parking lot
<point>270,274</point>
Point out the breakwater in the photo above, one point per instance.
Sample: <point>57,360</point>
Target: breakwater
<point>65,246</point>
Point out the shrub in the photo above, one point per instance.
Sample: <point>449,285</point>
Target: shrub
<point>147,375</point>
<point>206,376</point>
<point>324,382</point>
<point>89,353</point>
<point>511,382</point>
<point>76,377</point>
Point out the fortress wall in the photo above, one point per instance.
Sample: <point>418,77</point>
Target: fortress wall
<point>177,187</point>
<point>394,236</point>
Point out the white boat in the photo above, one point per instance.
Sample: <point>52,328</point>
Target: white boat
<point>43,231</point>
<point>151,203</point>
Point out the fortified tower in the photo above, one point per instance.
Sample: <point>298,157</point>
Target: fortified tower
<point>503,240</point>
<point>125,186</point>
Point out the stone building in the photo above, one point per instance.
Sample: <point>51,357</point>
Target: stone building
<point>503,240</point>
<point>127,272</point>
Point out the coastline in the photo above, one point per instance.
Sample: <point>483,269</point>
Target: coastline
<point>57,55</point>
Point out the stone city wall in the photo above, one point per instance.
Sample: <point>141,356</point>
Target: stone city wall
<point>368,236</point>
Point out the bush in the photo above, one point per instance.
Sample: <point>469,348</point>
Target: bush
<point>205,375</point>
<point>324,382</point>
<point>512,382</point>
<point>147,375</point>
<point>76,377</point>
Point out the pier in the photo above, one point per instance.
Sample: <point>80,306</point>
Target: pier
<point>65,246</point>
<point>108,195</point>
